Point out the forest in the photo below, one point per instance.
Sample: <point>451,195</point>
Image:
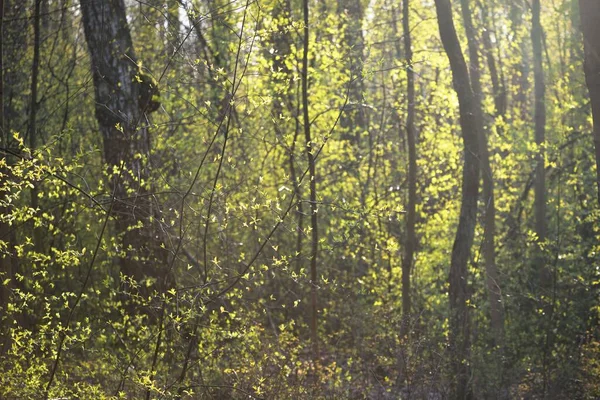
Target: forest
<point>300,199</point>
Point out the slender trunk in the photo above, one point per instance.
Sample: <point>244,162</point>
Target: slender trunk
<point>539,187</point>
<point>313,187</point>
<point>33,107</point>
<point>35,68</point>
<point>281,41</point>
<point>297,190</point>
<point>590,15</point>
<point>540,123</point>
<point>354,119</point>
<point>500,100</point>
<point>6,268</point>
<point>520,76</point>
<point>3,135</point>
<point>489,211</point>
<point>411,239</point>
<point>460,343</point>
<point>46,13</point>
<point>299,207</point>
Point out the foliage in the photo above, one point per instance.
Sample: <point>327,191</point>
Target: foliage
<point>229,191</point>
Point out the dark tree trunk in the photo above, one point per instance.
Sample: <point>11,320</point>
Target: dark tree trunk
<point>282,44</point>
<point>33,108</point>
<point>590,25</point>
<point>3,135</point>
<point>459,291</point>
<point>540,123</point>
<point>310,153</point>
<point>544,273</point>
<point>6,269</point>
<point>354,118</point>
<point>411,237</point>
<point>119,116</point>
<point>539,186</point>
<point>498,86</point>
<point>35,68</point>
<point>489,210</point>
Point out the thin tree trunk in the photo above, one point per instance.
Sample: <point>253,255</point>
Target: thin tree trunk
<point>589,11</point>
<point>6,268</point>
<point>282,42</point>
<point>520,76</point>
<point>3,135</point>
<point>540,123</point>
<point>33,107</point>
<point>354,119</point>
<point>500,100</point>
<point>313,187</point>
<point>489,211</point>
<point>45,9</point>
<point>459,291</point>
<point>539,187</point>
<point>411,238</point>
<point>35,68</point>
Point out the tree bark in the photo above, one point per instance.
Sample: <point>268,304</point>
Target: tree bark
<point>3,135</point>
<point>459,291</point>
<point>6,268</point>
<point>489,210</point>
<point>282,44</point>
<point>354,118</point>
<point>119,115</point>
<point>411,237</point>
<point>33,107</point>
<point>313,186</point>
<point>498,86</point>
<point>589,11</point>
<point>540,122</point>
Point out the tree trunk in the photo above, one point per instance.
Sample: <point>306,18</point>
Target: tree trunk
<point>6,269</point>
<point>459,292</point>
<point>540,123</point>
<point>500,100</point>
<point>282,44</point>
<point>489,211</point>
<point>590,16</point>
<point>3,135</point>
<point>411,237</point>
<point>354,119</point>
<point>310,153</point>
<point>33,107</point>
<point>119,115</point>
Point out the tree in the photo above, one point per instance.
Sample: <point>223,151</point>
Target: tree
<point>489,203</point>
<point>459,291</point>
<point>355,118</point>
<point>411,237</point>
<point>540,122</point>
<point>310,155</point>
<point>126,140</point>
<point>288,190</point>
<point>6,269</point>
<point>590,15</point>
